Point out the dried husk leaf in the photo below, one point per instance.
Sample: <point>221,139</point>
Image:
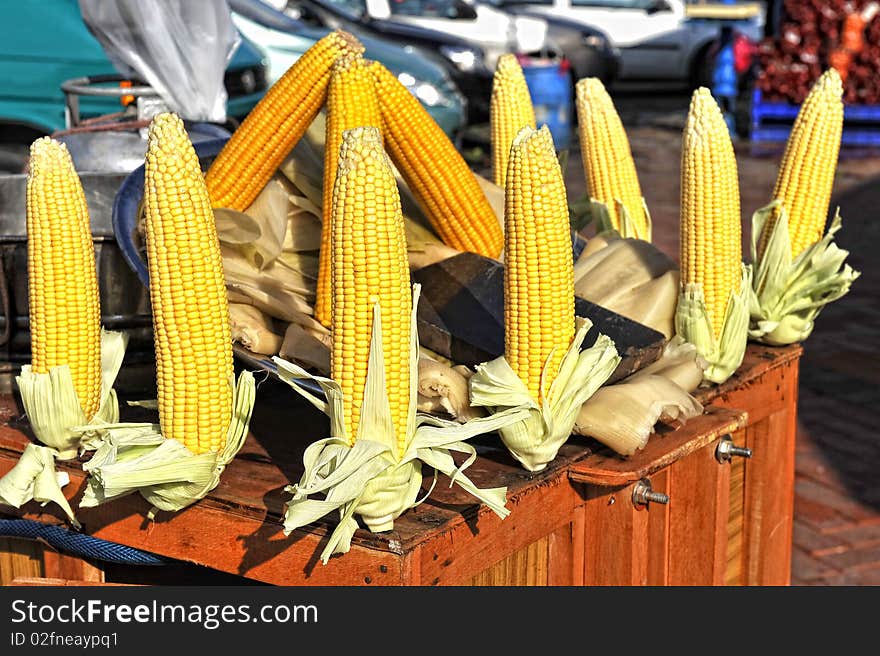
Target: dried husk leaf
<point>616,270</point>
<point>132,457</point>
<point>787,296</point>
<point>724,355</point>
<point>443,390</point>
<point>253,329</point>
<point>623,416</point>
<point>369,478</point>
<point>305,349</point>
<point>535,440</point>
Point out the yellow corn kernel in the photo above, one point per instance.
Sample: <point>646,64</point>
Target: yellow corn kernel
<point>711,234</point>
<point>257,148</point>
<point>187,293</point>
<point>539,272</point>
<point>351,103</point>
<point>806,175</point>
<point>369,264</point>
<point>64,306</point>
<point>510,111</point>
<point>445,187</point>
<point>608,162</point>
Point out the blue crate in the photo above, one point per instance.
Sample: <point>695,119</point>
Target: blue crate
<point>772,121</point>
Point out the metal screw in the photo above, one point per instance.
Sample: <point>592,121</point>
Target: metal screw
<point>726,450</point>
<point>643,494</point>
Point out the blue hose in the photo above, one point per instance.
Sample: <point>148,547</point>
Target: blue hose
<point>78,544</point>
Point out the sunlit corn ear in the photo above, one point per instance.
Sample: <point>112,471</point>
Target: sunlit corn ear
<point>806,175</point>
<point>203,412</point>
<point>543,368</point>
<point>446,189</point>
<point>538,272</point>
<point>510,111</point>
<point>351,103</point>
<point>255,151</point>
<point>713,309</point>
<point>369,267</point>
<point>64,307</point>
<point>608,163</point>
<point>187,293</point>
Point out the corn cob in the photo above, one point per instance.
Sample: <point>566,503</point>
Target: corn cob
<point>187,292</point>
<point>369,263</point>
<point>608,162</point>
<point>538,274</point>
<point>510,111</point>
<point>65,313</point>
<point>351,103</point>
<point>807,172</point>
<point>441,180</point>
<point>273,127</point>
<point>711,248</point>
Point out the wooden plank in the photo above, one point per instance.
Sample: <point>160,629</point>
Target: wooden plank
<point>769,501</point>
<point>63,566</point>
<point>658,532</point>
<point>607,468</point>
<point>616,538</point>
<point>44,581</point>
<point>528,566</point>
<point>560,557</point>
<point>578,544</point>
<point>762,385</point>
<point>735,519</point>
<point>19,558</point>
<point>459,554</point>
<point>698,512</point>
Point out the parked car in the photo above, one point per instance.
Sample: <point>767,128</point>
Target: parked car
<point>463,61</point>
<point>285,39</point>
<point>656,39</point>
<point>44,43</point>
<point>467,45</point>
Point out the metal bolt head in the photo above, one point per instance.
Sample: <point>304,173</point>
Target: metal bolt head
<point>642,494</point>
<point>727,449</point>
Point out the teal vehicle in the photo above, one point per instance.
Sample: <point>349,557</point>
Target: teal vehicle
<point>43,43</point>
<point>285,39</point>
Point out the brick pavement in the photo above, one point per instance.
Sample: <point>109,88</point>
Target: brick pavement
<point>837,496</point>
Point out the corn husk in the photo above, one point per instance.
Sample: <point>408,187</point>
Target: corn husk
<point>535,440</point>
<point>724,355</point>
<point>597,243</point>
<point>632,278</point>
<point>368,478</point>
<point>253,329</point>
<point>444,390</point>
<point>623,416</point>
<point>306,349</point>
<point>787,296</point>
<point>680,363</point>
<point>57,420</point>
<point>628,227</point>
<point>136,457</point>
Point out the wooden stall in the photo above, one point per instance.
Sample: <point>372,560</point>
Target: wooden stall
<point>575,523</point>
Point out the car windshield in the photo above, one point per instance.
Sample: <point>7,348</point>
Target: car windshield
<point>614,4</point>
<point>425,8</point>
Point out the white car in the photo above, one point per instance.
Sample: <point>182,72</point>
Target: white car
<point>656,38</point>
<point>495,31</point>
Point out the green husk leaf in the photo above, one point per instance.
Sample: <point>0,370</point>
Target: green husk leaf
<point>601,214</point>
<point>368,478</point>
<point>725,355</point>
<point>535,440</point>
<point>138,458</point>
<point>787,296</point>
<point>57,419</point>
<point>34,478</point>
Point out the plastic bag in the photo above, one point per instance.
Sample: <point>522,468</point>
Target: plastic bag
<point>180,48</point>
